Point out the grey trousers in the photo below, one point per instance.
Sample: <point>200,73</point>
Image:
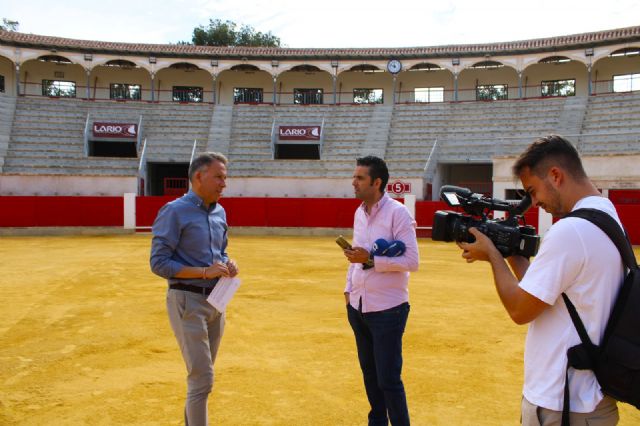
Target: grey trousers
<point>605,414</point>
<point>198,328</point>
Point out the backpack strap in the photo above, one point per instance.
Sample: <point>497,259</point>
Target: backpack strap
<point>620,238</point>
<point>613,230</point>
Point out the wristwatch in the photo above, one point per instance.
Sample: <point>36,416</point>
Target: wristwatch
<point>369,263</point>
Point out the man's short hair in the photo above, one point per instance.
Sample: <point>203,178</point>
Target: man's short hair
<point>205,159</point>
<point>377,169</point>
<point>549,151</point>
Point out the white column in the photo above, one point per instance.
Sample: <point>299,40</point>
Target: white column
<point>410,204</point>
<point>130,210</point>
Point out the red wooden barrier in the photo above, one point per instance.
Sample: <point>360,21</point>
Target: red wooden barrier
<point>61,211</point>
<point>18,211</point>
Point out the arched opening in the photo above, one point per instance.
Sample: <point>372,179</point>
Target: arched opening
<point>52,75</point>
<point>184,66</point>
<point>365,68</point>
<point>487,65</point>
<point>556,76</point>
<point>304,85</point>
<point>554,60</point>
<point>425,66</point>
<point>183,82</point>
<point>120,63</point>
<point>488,81</point>
<point>617,72</point>
<point>121,80</point>
<point>245,68</point>
<point>245,84</point>
<point>416,86</point>
<point>54,59</point>
<point>305,68</point>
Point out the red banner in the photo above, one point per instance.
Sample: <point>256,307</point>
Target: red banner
<point>115,130</point>
<point>299,133</point>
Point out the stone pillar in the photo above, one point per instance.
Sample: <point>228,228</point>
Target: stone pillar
<point>88,71</point>
<point>519,84</point>
<point>455,86</point>
<point>395,79</point>
<point>213,92</point>
<point>18,80</point>
<point>335,84</point>
<point>153,87</point>
<point>275,78</point>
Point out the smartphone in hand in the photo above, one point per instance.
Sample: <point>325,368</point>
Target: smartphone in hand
<point>344,244</point>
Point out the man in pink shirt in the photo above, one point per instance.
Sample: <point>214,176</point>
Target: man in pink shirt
<point>377,293</point>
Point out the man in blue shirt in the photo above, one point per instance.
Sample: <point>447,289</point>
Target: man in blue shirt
<point>189,250</point>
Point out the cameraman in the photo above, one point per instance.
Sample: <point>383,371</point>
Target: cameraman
<point>576,258</point>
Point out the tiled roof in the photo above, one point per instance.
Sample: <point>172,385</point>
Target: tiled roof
<point>522,46</point>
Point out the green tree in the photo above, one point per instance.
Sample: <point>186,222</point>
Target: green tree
<point>226,33</point>
<point>9,25</point>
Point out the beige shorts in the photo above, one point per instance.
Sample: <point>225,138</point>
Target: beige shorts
<point>605,414</point>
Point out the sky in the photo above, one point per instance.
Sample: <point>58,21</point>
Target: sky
<point>324,23</point>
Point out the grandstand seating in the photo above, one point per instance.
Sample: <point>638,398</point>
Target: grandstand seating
<point>611,125</point>
<point>45,136</point>
<point>345,136</point>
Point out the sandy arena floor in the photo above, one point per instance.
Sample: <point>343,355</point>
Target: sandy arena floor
<point>84,339</point>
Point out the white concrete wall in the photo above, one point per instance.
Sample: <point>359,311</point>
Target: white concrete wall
<point>67,185</point>
<point>302,187</point>
<point>606,172</point>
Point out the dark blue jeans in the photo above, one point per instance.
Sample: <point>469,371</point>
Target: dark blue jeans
<point>379,342</point>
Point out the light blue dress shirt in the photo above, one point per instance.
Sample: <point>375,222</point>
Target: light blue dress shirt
<point>185,233</point>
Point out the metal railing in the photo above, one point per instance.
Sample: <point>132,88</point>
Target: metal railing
<point>274,138</point>
<point>201,95</point>
<point>86,135</point>
<point>321,137</point>
<point>430,165</point>
<point>139,137</point>
<point>142,169</point>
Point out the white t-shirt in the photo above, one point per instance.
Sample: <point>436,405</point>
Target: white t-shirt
<point>579,259</point>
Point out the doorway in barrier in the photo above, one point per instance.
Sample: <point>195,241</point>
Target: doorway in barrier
<point>167,178</point>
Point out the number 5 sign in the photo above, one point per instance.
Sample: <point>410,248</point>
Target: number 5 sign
<point>399,187</point>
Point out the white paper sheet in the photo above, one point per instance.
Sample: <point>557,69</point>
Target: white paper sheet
<point>223,292</point>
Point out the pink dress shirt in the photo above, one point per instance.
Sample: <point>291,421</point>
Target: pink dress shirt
<point>386,285</point>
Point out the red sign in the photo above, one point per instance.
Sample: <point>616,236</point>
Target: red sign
<point>299,133</point>
<point>399,187</point>
<point>115,130</point>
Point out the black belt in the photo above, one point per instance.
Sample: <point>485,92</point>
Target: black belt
<point>205,291</point>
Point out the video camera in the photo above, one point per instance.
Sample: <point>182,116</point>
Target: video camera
<point>508,235</point>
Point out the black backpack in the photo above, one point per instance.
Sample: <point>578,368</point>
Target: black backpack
<point>616,361</point>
